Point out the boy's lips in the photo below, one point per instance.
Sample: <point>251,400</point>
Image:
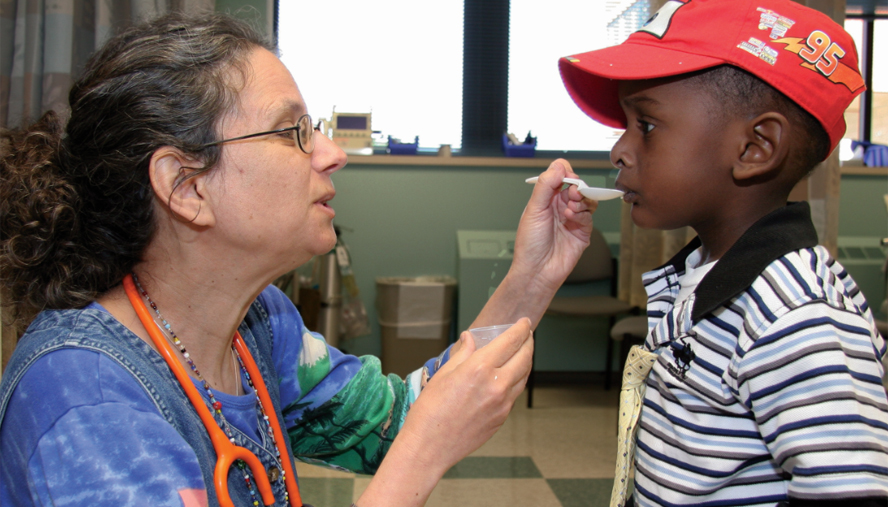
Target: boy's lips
<point>629,195</point>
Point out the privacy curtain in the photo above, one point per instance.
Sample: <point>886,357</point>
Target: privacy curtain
<point>45,43</point>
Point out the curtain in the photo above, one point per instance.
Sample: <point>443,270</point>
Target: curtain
<point>43,46</point>
<point>45,43</point>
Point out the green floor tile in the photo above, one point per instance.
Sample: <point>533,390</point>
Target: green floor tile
<point>321,492</point>
<point>520,467</point>
<point>582,492</point>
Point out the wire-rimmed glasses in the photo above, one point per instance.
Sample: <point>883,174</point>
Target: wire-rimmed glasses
<point>303,134</point>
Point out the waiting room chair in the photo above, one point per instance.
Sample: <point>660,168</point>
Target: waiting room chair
<point>596,264</point>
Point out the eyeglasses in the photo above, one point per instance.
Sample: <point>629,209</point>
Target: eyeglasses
<point>303,135</point>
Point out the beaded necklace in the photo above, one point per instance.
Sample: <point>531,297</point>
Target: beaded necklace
<point>217,405</point>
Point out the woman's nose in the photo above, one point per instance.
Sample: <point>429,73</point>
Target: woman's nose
<point>326,156</point>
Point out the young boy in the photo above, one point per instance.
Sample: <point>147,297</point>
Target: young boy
<point>766,386</point>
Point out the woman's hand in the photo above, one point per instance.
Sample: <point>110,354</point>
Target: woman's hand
<point>470,397</point>
<point>461,407</point>
<point>554,229</point>
<point>552,234</point>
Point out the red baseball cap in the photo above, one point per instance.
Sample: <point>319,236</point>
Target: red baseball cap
<point>797,50</point>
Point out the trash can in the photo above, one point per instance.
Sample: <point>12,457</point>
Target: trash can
<point>415,319</point>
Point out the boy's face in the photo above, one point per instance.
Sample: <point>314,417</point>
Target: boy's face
<point>674,158</point>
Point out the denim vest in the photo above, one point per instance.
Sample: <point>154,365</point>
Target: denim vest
<point>98,331</point>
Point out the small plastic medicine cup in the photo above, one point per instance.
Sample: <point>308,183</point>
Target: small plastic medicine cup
<point>484,335</point>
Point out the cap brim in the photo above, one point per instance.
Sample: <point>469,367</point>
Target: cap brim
<point>591,78</point>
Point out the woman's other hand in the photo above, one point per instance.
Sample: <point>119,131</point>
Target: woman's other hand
<point>461,407</point>
<point>470,397</point>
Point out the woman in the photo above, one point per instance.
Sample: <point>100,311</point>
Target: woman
<point>190,171</point>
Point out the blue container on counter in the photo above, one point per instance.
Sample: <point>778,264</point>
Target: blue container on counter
<point>396,147</point>
<point>519,150</point>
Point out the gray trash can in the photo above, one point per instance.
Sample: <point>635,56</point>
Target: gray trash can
<point>415,319</point>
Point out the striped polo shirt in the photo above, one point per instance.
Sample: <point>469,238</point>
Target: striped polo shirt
<point>768,383</point>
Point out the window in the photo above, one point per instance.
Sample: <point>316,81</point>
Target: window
<point>878,124</point>
<point>400,60</point>
<point>403,61</point>
<point>538,101</point>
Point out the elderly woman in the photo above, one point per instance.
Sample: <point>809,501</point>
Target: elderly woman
<point>160,367</point>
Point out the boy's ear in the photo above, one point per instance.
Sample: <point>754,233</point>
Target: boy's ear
<point>173,179</point>
<point>765,146</point>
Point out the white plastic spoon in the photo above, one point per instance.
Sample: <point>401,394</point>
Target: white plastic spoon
<point>595,193</point>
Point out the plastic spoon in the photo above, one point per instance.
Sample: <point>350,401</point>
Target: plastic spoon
<point>595,193</point>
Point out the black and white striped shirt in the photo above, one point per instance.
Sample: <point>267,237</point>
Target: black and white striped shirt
<point>767,387</point>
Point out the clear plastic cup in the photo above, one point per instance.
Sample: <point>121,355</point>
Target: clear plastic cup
<point>484,335</point>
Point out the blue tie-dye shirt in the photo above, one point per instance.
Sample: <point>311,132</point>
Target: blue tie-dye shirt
<point>80,430</point>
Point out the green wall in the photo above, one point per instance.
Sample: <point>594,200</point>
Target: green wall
<point>862,210</point>
<point>863,221</point>
<point>402,221</point>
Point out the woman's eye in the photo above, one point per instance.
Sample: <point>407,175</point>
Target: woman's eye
<point>288,134</point>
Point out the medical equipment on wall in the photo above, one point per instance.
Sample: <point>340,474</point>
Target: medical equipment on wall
<point>342,314</point>
<point>350,131</point>
<point>331,298</point>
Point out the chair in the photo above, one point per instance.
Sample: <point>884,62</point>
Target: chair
<point>597,263</point>
<point>628,331</point>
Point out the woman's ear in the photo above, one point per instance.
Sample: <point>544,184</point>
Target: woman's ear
<point>765,147</point>
<point>180,183</point>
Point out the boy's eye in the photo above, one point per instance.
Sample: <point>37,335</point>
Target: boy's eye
<point>645,126</point>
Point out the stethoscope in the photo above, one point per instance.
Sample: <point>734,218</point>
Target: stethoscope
<point>226,451</point>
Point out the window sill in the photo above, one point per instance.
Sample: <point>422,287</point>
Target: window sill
<point>848,167</point>
<point>459,161</point>
<point>856,167</point>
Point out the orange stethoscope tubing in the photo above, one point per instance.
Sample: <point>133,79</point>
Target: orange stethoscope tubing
<point>226,451</point>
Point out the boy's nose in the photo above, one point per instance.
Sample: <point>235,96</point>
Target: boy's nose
<point>619,155</point>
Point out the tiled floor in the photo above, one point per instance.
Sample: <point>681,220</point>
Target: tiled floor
<point>560,453</point>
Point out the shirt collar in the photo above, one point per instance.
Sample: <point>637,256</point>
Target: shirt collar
<point>784,230</point>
